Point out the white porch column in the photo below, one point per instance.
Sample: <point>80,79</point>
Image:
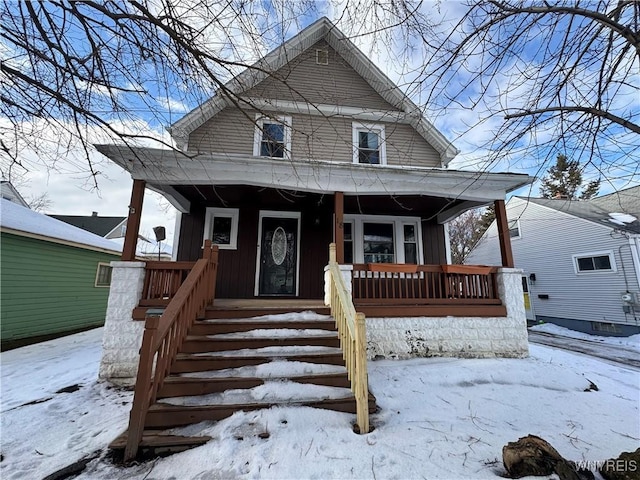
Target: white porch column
<point>509,283</point>
<point>122,335</point>
<point>346,276</point>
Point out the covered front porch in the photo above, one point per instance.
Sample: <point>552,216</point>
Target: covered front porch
<point>388,224</point>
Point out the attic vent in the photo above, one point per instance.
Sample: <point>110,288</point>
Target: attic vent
<point>322,57</point>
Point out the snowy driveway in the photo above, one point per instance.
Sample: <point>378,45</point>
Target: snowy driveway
<point>626,353</point>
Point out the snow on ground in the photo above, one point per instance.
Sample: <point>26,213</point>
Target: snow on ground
<point>438,418</point>
<point>627,342</point>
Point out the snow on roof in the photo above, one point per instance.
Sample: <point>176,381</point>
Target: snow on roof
<point>19,218</point>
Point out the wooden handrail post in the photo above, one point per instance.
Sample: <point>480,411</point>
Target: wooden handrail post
<point>142,389</point>
<point>214,273</point>
<point>332,253</point>
<point>362,387</point>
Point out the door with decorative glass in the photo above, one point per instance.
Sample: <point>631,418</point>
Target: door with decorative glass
<point>278,247</point>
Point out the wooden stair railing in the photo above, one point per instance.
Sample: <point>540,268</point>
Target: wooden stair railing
<point>163,336</point>
<point>351,330</point>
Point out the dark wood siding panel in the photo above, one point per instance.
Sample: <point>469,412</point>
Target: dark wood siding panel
<point>237,268</point>
<point>334,84</point>
<point>433,243</point>
<point>191,235</point>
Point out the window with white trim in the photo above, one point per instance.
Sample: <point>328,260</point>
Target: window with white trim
<point>103,275</point>
<point>382,239</point>
<point>348,242</point>
<point>369,144</point>
<point>221,227</point>
<point>514,229</point>
<point>594,262</point>
<point>272,137</point>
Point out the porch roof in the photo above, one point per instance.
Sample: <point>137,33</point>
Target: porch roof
<point>162,169</point>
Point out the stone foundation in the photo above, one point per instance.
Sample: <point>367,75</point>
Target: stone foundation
<point>472,337</point>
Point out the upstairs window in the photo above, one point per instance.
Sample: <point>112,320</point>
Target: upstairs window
<point>272,137</point>
<point>594,262</point>
<point>368,144</point>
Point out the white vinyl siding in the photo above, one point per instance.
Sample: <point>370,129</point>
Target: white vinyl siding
<point>549,241</point>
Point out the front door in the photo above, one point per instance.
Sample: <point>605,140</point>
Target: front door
<point>278,252</point>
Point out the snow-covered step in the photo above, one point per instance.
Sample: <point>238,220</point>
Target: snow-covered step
<point>209,327</point>
<point>269,392</point>
<point>272,369</point>
<point>218,361</point>
<point>196,344</point>
<point>163,415</point>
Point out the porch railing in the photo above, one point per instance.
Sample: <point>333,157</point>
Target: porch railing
<point>424,284</point>
<point>351,330</point>
<point>163,336</point>
<point>162,281</point>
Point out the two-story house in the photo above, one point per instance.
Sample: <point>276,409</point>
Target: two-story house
<point>310,147</point>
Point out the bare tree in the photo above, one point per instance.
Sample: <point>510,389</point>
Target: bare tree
<point>464,232</point>
<point>562,75</point>
<point>123,71</point>
<point>40,203</point>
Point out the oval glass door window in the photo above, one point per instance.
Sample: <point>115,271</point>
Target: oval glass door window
<point>279,246</point>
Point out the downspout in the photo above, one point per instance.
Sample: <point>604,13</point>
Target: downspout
<point>634,244</point>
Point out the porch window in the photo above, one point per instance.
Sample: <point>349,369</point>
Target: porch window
<point>221,227</point>
<point>382,239</point>
<point>368,144</point>
<point>378,245</point>
<point>594,262</point>
<point>103,275</point>
<point>410,243</point>
<point>348,242</point>
<point>272,137</point>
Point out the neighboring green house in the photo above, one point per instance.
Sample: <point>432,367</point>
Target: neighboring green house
<point>54,277</point>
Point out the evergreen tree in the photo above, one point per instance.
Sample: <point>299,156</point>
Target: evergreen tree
<point>564,179</point>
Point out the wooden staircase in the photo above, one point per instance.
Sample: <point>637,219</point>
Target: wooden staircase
<point>233,364</point>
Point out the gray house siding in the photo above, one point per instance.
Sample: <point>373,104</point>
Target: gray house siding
<point>335,84</point>
<point>548,241</point>
<point>313,138</point>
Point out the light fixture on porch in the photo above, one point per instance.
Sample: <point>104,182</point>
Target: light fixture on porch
<point>160,234</point>
<point>532,278</point>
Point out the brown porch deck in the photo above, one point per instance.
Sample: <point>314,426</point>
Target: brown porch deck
<point>379,290</point>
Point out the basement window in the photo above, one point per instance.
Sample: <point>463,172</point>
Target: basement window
<point>103,275</point>
<point>221,227</point>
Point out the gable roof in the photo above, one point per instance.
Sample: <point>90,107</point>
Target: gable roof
<point>99,225</point>
<point>22,221</point>
<point>9,192</point>
<point>600,209</point>
<point>322,29</point>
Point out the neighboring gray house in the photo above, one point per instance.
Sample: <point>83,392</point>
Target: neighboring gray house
<point>581,259</point>
<point>106,227</point>
<point>9,192</point>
